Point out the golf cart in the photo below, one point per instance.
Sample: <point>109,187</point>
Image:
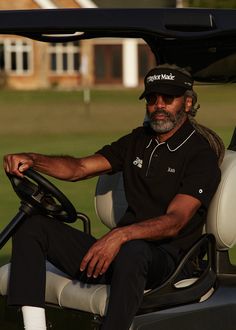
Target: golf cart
<point>201,297</point>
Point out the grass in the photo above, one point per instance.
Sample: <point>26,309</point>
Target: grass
<point>58,122</point>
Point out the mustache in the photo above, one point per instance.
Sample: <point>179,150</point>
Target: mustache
<point>161,111</point>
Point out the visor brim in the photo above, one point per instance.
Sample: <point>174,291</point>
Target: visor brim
<point>164,89</point>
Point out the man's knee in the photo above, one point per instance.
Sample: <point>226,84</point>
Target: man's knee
<point>31,226</point>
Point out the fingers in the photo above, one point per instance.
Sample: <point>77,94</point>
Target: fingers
<point>17,163</point>
<point>92,264</point>
<point>95,264</point>
<point>101,254</point>
<point>96,267</point>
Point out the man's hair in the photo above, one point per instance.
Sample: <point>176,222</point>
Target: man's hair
<point>195,106</point>
<point>213,139</point>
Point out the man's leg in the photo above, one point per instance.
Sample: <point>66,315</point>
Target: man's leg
<point>139,265</point>
<point>36,240</point>
<point>40,238</point>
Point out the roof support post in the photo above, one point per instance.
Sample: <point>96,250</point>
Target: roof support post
<point>130,62</point>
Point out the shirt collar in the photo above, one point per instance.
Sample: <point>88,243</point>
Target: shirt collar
<point>181,136</point>
<point>177,140</point>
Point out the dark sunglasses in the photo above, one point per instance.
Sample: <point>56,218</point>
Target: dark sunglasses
<point>151,99</point>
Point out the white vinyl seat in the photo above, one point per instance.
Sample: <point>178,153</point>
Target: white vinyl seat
<point>110,204</point>
<point>221,214</point>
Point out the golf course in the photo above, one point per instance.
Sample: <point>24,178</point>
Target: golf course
<point>59,123</point>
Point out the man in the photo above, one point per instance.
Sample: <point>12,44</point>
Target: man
<point>170,175</point>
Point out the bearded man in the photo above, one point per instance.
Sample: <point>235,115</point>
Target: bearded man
<point>170,172</point>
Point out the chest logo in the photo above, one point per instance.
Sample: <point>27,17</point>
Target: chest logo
<point>138,162</point>
<point>171,170</point>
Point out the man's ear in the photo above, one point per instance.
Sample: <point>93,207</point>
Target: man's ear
<point>188,103</point>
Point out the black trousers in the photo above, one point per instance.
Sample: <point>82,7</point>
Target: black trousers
<point>138,265</point>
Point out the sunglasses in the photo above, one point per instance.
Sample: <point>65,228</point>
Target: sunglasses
<point>151,99</point>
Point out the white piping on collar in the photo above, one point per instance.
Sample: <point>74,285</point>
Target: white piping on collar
<point>149,144</point>
<point>172,150</point>
<point>179,146</point>
<point>158,143</point>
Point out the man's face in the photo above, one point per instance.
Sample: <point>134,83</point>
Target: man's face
<point>165,112</point>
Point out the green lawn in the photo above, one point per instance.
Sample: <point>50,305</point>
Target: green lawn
<point>57,122</point>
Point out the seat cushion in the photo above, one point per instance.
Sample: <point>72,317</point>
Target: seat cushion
<point>62,291</point>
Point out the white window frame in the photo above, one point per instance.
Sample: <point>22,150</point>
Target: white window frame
<point>59,49</point>
<point>20,46</point>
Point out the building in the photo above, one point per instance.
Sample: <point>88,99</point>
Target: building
<point>28,64</point>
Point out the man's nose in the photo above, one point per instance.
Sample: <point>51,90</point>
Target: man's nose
<point>160,102</point>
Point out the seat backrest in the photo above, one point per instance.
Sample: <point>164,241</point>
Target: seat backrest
<point>222,211</point>
<point>110,200</point>
<point>110,203</point>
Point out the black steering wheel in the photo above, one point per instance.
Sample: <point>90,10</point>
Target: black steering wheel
<point>38,195</point>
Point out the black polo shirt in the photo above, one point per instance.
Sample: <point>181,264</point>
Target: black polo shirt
<point>155,172</point>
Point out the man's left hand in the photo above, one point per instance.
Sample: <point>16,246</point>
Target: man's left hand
<point>102,253</point>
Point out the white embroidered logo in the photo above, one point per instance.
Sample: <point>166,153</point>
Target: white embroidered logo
<point>162,76</point>
<point>138,162</point>
<point>171,170</point>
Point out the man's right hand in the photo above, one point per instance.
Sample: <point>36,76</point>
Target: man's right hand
<point>17,163</point>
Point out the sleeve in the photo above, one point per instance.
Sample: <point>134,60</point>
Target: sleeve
<point>115,152</point>
<point>202,177</point>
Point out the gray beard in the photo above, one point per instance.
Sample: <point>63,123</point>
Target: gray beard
<point>165,126</point>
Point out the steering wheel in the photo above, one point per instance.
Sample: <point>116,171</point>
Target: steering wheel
<point>38,194</point>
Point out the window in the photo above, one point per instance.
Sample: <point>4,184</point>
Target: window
<point>16,56</point>
<point>64,57</point>
<point>108,63</point>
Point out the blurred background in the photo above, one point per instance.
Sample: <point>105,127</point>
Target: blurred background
<point>72,98</point>
<point>59,123</point>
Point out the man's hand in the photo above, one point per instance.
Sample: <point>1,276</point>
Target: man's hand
<point>17,163</point>
<point>102,253</point>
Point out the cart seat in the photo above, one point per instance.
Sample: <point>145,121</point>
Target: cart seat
<point>110,204</point>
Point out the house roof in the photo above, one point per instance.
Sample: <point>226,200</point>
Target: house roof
<point>45,4</point>
<point>86,3</point>
<point>51,4</point>
<point>134,4</point>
